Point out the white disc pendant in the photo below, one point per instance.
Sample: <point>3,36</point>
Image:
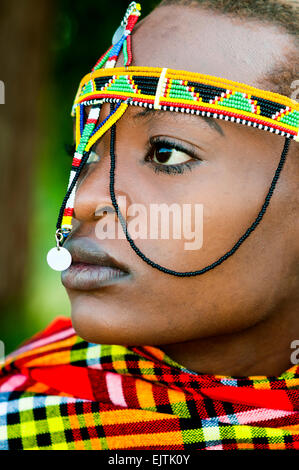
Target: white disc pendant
<point>59,260</point>
<point>118,34</point>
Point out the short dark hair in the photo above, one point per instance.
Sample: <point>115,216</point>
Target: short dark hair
<point>282,13</point>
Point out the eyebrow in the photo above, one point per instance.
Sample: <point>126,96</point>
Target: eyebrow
<point>150,113</point>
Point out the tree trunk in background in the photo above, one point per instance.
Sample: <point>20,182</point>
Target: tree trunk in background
<point>24,36</point>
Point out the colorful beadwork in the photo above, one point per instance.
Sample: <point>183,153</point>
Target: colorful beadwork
<point>110,57</point>
<point>194,93</point>
<point>82,142</point>
<point>168,90</point>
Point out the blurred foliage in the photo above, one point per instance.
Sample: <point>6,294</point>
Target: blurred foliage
<point>80,33</point>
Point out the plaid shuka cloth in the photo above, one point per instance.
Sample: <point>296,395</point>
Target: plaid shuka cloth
<point>60,392</point>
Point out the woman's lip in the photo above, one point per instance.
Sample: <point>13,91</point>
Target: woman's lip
<point>87,251</point>
<point>83,276</point>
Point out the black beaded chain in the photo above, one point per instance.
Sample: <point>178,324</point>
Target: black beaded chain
<point>224,257</point>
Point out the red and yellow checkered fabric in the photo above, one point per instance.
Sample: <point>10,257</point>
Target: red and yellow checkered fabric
<point>60,392</point>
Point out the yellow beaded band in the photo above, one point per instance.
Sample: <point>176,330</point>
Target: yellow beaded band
<point>195,93</point>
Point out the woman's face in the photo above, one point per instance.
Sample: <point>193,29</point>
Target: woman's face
<point>166,158</point>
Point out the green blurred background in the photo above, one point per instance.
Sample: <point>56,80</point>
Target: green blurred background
<point>46,46</point>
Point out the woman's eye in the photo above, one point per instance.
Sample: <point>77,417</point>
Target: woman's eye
<point>168,155</point>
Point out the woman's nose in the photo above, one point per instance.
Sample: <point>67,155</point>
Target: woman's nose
<point>92,199</point>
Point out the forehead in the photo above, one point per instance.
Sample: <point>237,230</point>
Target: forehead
<point>198,40</point>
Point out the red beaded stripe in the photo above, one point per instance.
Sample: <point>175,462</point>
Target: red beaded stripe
<point>129,50</point>
<point>166,87</point>
<point>68,212</point>
<point>91,121</point>
<point>121,97</point>
<point>227,113</point>
<point>76,162</point>
<point>195,107</point>
<point>132,20</point>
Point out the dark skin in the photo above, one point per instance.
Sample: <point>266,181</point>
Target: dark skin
<point>239,318</point>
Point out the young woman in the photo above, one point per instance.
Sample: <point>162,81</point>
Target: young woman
<point>176,348</point>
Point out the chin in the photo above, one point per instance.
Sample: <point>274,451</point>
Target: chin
<point>92,327</point>
<point>114,327</point>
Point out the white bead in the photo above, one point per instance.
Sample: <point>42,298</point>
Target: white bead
<point>94,113</point>
<point>59,260</point>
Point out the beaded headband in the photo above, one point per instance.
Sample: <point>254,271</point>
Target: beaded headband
<point>169,90</point>
<point>195,93</point>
